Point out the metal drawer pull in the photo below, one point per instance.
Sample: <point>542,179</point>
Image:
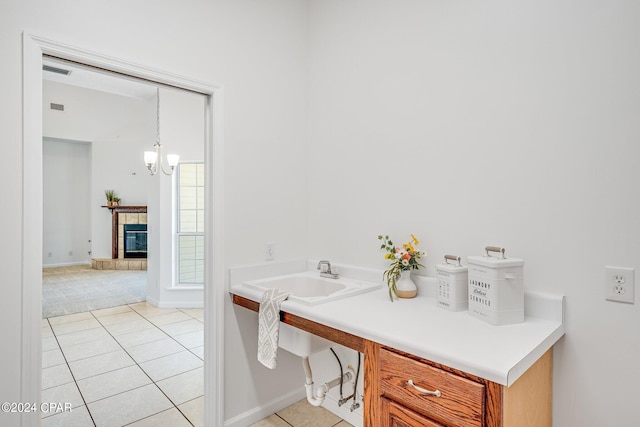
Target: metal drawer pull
<point>424,390</point>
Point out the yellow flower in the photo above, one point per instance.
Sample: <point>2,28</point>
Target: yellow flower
<point>409,247</point>
<point>415,240</point>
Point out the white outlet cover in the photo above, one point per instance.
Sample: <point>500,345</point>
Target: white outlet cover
<point>619,284</point>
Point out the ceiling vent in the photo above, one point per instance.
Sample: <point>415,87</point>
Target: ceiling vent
<point>59,107</point>
<point>56,70</point>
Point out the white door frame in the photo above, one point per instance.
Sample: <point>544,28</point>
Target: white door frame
<point>34,47</point>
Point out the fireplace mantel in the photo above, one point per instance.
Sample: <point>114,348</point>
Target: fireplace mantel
<point>126,209</point>
<point>115,211</point>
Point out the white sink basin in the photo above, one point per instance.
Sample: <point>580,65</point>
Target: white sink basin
<point>301,343</point>
<point>310,289</point>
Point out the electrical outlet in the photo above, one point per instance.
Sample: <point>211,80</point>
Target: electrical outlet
<point>619,284</point>
<point>269,251</point>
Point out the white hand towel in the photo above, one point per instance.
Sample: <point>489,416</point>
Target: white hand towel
<point>269,326</point>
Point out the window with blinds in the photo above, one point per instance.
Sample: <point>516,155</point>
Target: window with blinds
<point>190,224</point>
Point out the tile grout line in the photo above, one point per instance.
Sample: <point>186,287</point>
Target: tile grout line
<point>287,422</point>
<point>135,362</point>
<point>170,336</point>
<point>121,347</point>
<point>75,382</point>
<point>146,317</point>
<point>162,391</point>
<point>145,372</point>
<point>175,406</point>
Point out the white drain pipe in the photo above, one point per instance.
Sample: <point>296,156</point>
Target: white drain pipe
<point>317,398</point>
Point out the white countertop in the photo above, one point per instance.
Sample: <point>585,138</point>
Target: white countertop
<point>455,339</point>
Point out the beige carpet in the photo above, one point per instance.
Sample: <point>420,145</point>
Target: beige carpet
<point>76,289</point>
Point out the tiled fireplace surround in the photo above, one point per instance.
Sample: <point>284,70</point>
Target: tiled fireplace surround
<point>122,215</point>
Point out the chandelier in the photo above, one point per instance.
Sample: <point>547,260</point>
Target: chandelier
<point>153,159</point>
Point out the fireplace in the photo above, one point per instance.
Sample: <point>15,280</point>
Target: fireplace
<point>135,240</point>
<point>136,258</point>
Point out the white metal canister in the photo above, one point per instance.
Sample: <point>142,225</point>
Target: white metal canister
<point>452,284</point>
<point>496,288</point>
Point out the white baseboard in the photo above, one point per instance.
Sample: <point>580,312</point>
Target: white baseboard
<point>259,412</point>
<point>175,304</point>
<point>66,264</point>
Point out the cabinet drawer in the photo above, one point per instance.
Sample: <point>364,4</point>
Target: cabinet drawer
<point>460,402</point>
<point>394,415</point>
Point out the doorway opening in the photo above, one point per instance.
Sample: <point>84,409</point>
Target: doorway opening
<point>34,49</point>
<point>98,312</point>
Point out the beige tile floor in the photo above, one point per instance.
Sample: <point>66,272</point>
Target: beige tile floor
<point>302,414</point>
<point>134,365</point>
<point>137,365</point>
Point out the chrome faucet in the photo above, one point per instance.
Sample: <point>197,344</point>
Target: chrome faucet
<point>325,270</point>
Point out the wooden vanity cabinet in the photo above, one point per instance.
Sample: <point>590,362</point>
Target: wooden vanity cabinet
<point>402,390</point>
<point>465,400</point>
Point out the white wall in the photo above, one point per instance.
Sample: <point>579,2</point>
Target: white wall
<point>66,206</point>
<point>495,122</point>
<point>257,50</point>
<point>119,128</point>
<point>182,133</point>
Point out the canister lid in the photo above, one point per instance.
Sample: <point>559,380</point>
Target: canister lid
<point>449,268</point>
<point>495,262</point>
<point>455,267</point>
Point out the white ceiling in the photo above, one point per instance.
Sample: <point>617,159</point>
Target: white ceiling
<point>99,80</point>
